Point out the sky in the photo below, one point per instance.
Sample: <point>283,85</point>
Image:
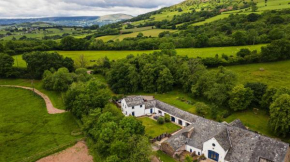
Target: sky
<point>52,8</point>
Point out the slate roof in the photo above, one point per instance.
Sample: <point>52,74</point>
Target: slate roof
<point>204,130</point>
<point>237,123</point>
<point>134,101</point>
<point>278,149</point>
<point>243,145</point>
<point>178,140</point>
<point>223,139</point>
<point>150,104</point>
<point>176,111</point>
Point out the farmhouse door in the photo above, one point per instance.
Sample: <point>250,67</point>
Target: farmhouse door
<point>151,111</point>
<point>213,155</point>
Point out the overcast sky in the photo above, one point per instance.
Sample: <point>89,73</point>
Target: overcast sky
<point>50,8</point>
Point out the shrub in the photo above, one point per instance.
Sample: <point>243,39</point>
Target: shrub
<point>167,118</point>
<point>160,120</point>
<point>201,108</point>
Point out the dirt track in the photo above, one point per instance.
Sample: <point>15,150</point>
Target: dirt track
<point>50,108</point>
<point>77,153</point>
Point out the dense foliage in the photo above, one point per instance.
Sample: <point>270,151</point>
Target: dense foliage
<point>82,97</point>
<point>6,64</point>
<point>280,115</point>
<point>62,78</point>
<point>38,62</point>
<point>111,136</point>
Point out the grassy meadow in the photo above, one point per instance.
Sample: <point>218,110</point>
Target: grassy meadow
<point>25,123</point>
<point>39,34</point>
<point>114,55</point>
<point>153,129</point>
<point>55,97</point>
<point>275,74</point>
<point>149,33</point>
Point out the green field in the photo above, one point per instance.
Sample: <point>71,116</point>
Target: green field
<point>257,122</point>
<point>55,97</point>
<point>153,129</point>
<point>148,33</point>
<point>113,55</point>
<point>212,19</point>
<point>275,74</point>
<point>25,127</point>
<point>164,157</point>
<point>39,34</point>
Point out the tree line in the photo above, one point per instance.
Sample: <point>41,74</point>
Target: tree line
<point>239,29</point>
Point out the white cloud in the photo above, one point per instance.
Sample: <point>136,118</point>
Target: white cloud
<point>51,8</point>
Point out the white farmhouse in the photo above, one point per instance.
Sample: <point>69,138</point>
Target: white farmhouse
<point>221,142</point>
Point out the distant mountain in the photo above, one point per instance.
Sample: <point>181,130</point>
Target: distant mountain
<point>71,21</point>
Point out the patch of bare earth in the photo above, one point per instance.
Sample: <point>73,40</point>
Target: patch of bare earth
<point>77,153</point>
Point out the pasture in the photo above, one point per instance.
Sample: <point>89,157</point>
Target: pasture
<point>149,33</point>
<point>114,55</point>
<point>153,129</point>
<point>39,34</point>
<point>55,97</point>
<point>275,74</point>
<point>25,123</point>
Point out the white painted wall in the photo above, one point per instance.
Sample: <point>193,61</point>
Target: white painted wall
<point>156,110</point>
<point>127,111</point>
<point>217,148</point>
<point>141,111</point>
<point>193,149</point>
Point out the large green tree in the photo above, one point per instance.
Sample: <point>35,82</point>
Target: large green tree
<point>38,62</point>
<point>6,64</point>
<point>165,81</point>
<point>280,115</point>
<point>83,97</point>
<point>259,89</point>
<point>58,81</point>
<point>240,98</point>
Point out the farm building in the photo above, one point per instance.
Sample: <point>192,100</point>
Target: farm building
<point>222,142</point>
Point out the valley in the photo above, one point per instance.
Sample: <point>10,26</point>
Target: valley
<point>194,81</point>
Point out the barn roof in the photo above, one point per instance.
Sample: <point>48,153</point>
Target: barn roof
<point>134,101</point>
<point>176,111</point>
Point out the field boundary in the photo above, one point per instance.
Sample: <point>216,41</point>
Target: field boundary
<point>51,151</point>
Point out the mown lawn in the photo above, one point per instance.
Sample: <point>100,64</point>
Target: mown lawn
<point>164,157</point>
<point>153,129</point>
<point>26,128</point>
<point>114,55</point>
<point>55,97</point>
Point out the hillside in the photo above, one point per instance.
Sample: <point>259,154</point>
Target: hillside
<point>224,8</point>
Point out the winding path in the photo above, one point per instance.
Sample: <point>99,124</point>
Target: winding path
<point>50,108</point>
